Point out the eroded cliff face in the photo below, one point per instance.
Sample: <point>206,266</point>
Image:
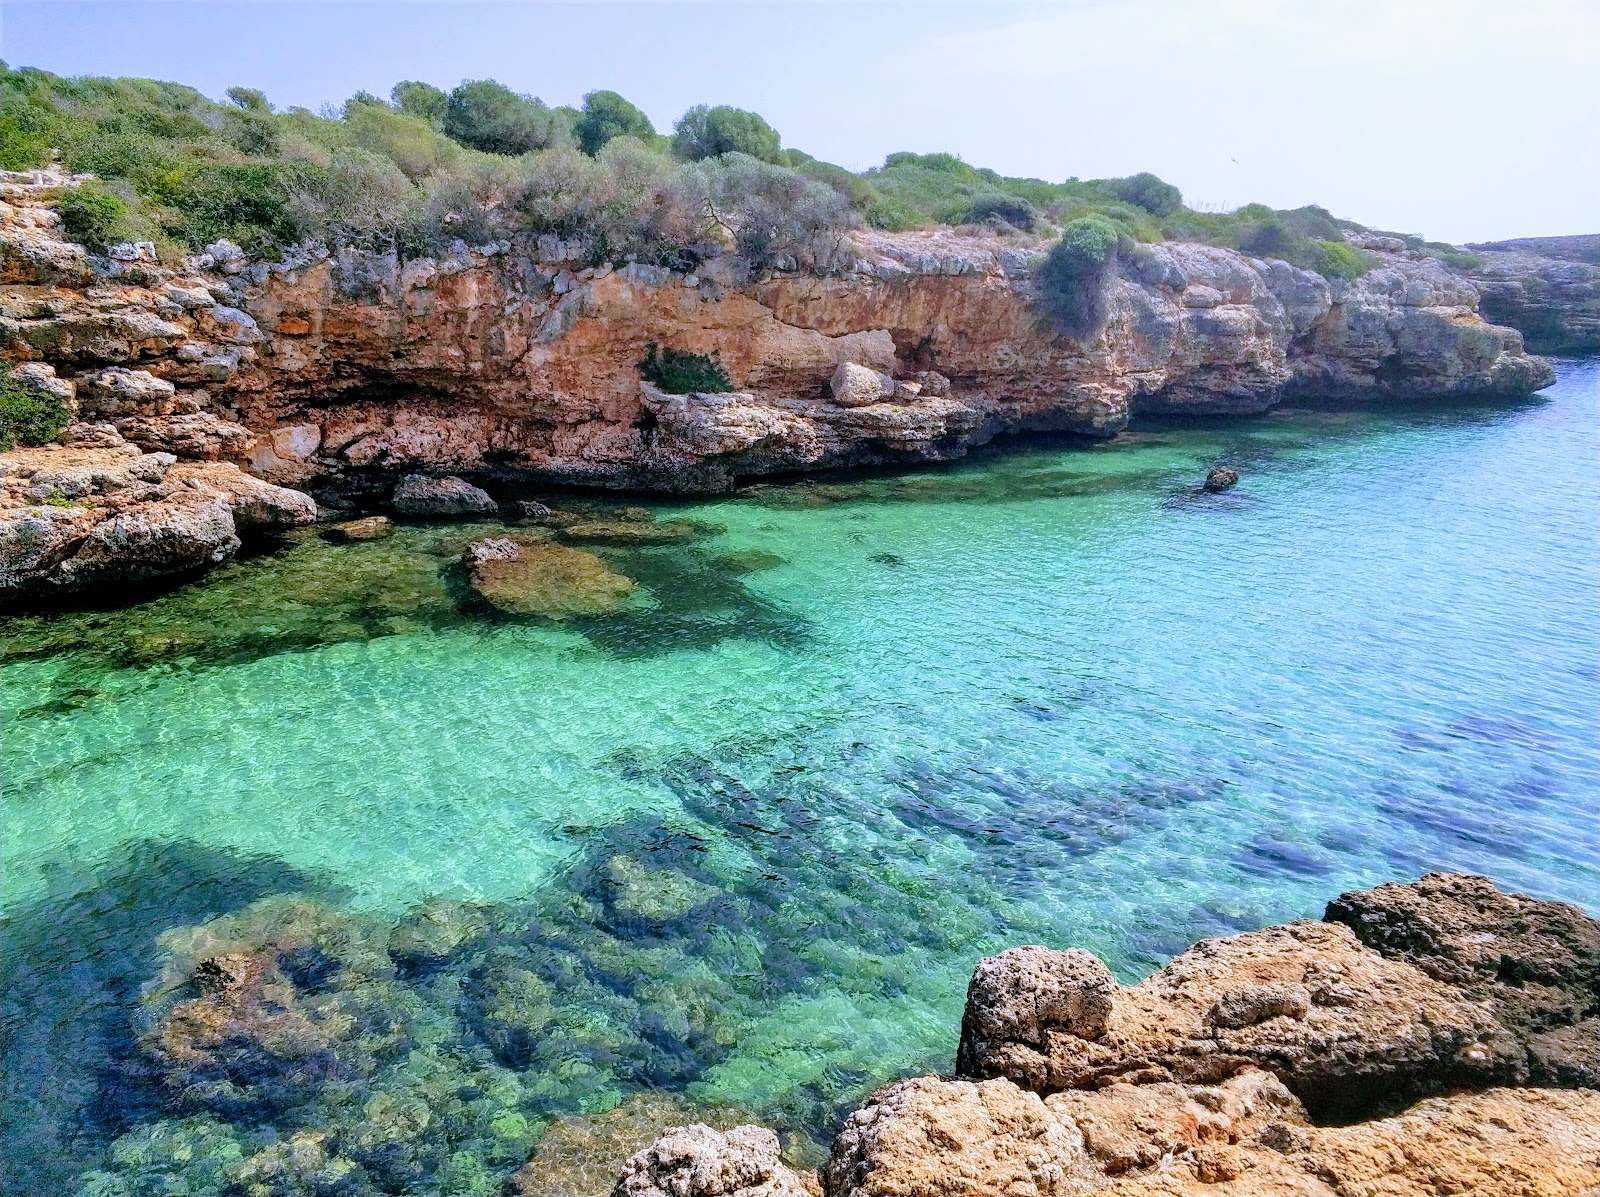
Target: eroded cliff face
<point>522,363</point>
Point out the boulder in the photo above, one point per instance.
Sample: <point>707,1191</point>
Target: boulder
<point>441,498</point>
<point>118,392</point>
<point>697,1161</point>
<point>1023,993</point>
<point>199,435</point>
<point>1221,478</point>
<point>525,575</point>
<point>1536,963</point>
<point>372,527</point>
<point>257,506</point>
<point>928,1137</point>
<point>854,385</point>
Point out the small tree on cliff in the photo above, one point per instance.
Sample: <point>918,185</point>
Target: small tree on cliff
<point>1072,281</point>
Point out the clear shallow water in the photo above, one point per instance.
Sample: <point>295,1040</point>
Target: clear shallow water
<point>745,839</point>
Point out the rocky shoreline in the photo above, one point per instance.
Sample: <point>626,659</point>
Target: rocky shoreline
<point>1438,1037</point>
<point>519,367</point>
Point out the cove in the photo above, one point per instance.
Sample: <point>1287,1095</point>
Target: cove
<point>740,842</point>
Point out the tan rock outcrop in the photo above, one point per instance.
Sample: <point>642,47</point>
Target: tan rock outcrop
<point>86,515</point>
<point>1285,1062</point>
<point>698,1161</point>
<point>521,364</point>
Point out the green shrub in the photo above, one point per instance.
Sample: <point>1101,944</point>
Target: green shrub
<point>607,115</point>
<point>772,213</point>
<point>1456,259</point>
<point>27,416</point>
<point>1145,190</point>
<point>491,117</point>
<point>890,214</point>
<point>681,373</point>
<point>704,132</point>
<point>92,215</point>
<point>421,100</point>
<point>998,206</point>
<point>1335,259</point>
<point>1072,280</point>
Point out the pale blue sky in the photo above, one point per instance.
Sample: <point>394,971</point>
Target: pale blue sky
<point>1460,119</point>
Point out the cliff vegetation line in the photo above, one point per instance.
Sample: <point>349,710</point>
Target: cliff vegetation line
<point>427,169</point>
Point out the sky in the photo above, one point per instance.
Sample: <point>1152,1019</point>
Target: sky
<point>1463,120</point>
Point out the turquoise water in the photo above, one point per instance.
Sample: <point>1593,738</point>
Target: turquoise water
<point>744,839</point>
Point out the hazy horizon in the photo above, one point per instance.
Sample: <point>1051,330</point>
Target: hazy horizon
<point>1466,124</point>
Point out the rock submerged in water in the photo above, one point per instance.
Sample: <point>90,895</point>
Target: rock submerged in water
<point>1221,478</point>
<point>441,498</point>
<point>1396,1047</point>
<point>372,527</point>
<point>525,575</point>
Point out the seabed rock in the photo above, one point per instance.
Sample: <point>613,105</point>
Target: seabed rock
<point>1221,478</point>
<point>525,575</point>
<point>372,527</point>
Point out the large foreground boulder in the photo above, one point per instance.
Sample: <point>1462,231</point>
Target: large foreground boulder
<point>1245,1137</point>
<point>1384,1052</point>
<point>1450,985</point>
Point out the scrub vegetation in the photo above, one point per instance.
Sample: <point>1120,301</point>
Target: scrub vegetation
<point>428,172</point>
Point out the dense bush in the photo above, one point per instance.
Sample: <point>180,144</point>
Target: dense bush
<point>704,132</point>
<point>427,169</point>
<point>1145,190</point>
<point>491,117</point>
<point>421,100</point>
<point>607,115</point>
<point>92,215</point>
<point>1335,259</point>
<point>27,416</point>
<point>681,373</point>
<point>1007,209</point>
<point>1072,280</point>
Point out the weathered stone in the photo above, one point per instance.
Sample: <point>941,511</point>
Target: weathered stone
<point>449,497</point>
<point>932,1138</point>
<point>854,385</point>
<point>697,1161</point>
<point>1023,994</point>
<point>200,435</point>
<point>119,392</point>
<point>1221,478</point>
<point>1537,963</point>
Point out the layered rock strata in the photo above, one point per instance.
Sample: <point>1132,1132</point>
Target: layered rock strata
<point>1548,288</point>
<point>522,362</point>
<point>1421,1039</point>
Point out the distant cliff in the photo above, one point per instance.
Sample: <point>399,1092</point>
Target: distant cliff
<point>1546,287</point>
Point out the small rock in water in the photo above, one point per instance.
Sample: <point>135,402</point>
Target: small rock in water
<point>1221,478</point>
<point>527,576</point>
<point>373,527</point>
<point>421,494</point>
<point>529,509</point>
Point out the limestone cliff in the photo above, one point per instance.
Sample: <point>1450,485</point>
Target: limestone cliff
<point>1546,287</point>
<point>522,362</point>
<point>520,366</point>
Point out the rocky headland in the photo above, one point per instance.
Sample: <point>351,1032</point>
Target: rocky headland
<point>1439,1037</point>
<point>519,366</point>
<point>1547,287</point>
